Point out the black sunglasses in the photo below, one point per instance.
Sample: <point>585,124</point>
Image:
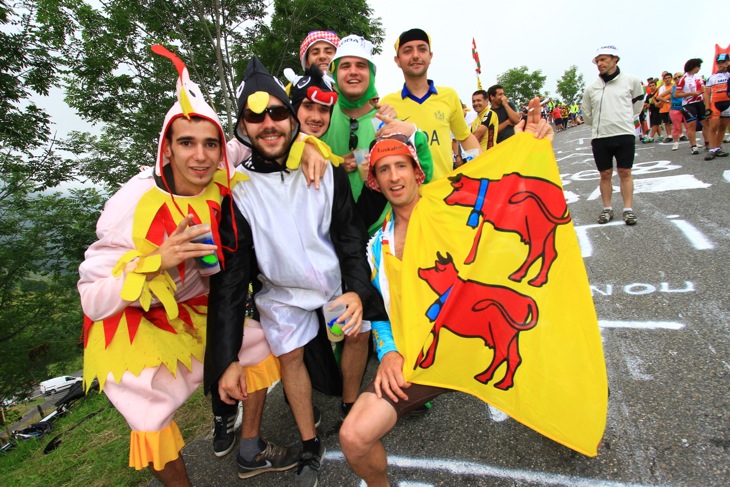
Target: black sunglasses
<point>354,125</point>
<point>277,114</point>
<point>399,137</point>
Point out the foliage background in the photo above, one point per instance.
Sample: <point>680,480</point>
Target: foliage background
<point>97,53</point>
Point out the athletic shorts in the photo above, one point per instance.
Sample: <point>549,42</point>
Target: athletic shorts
<point>721,109</point>
<point>665,117</point>
<point>620,147</point>
<point>418,395</point>
<point>655,118</point>
<point>694,111</point>
<point>558,121</point>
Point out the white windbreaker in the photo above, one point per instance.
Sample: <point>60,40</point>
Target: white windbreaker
<point>610,108</point>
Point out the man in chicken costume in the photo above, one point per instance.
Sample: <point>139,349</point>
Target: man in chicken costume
<point>142,291</point>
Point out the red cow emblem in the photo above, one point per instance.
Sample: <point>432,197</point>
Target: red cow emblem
<point>530,207</point>
<point>496,314</point>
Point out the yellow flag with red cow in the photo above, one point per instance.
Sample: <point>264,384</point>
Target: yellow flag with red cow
<point>498,302</point>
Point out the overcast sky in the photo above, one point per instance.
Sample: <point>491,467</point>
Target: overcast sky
<point>546,35</point>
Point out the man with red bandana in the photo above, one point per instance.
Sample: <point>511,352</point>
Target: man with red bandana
<point>318,49</point>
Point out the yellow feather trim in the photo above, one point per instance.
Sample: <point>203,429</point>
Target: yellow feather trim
<point>155,447</point>
<point>263,374</point>
<point>164,288</point>
<point>152,347</point>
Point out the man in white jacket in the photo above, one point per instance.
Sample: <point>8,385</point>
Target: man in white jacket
<point>610,106</point>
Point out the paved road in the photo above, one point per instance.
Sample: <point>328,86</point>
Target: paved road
<point>662,300</point>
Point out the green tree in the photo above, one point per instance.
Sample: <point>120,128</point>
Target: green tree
<point>520,85</point>
<point>571,85</point>
<point>277,44</point>
<point>112,77</point>
<point>42,237</point>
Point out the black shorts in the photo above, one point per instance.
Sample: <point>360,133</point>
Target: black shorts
<point>418,395</point>
<point>655,118</point>
<point>619,146</point>
<point>694,111</point>
<point>665,118</point>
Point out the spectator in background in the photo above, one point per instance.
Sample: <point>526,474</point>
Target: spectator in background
<point>718,104</point>
<point>506,112</point>
<point>663,101</point>
<point>484,126</point>
<point>689,89</point>
<point>610,105</point>
<point>557,119</point>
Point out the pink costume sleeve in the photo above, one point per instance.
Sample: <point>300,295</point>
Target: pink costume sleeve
<point>99,290</point>
<point>237,152</point>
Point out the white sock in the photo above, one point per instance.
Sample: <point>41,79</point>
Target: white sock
<point>628,209</point>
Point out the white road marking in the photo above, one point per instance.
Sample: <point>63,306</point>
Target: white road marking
<point>496,415</point>
<point>641,325</point>
<point>695,237</point>
<point>570,197</point>
<point>456,467</point>
<point>634,364</point>
<point>660,184</point>
<point>726,175</point>
<point>586,247</point>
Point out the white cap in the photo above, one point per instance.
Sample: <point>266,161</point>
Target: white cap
<point>357,46</point>
<point>605,50</point>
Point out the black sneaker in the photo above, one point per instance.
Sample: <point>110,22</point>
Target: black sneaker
<point>345,408</point>
<point>720,153</point>
<point>224,437</point>
<point>274,458</point>
<point>308,471</point>
<point>710,156</point>
<point>683,138</point>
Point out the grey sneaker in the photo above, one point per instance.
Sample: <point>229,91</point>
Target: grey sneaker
<point>675,146</point>
<point>224,437</point>
<point>720,153</point>
<point>629,217</point>
<point>308,471</point>
<point>694,150</point>
<point>274,458</point>
<point>605,216</point>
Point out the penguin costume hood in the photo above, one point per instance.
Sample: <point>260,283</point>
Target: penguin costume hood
<point>257,87</point>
